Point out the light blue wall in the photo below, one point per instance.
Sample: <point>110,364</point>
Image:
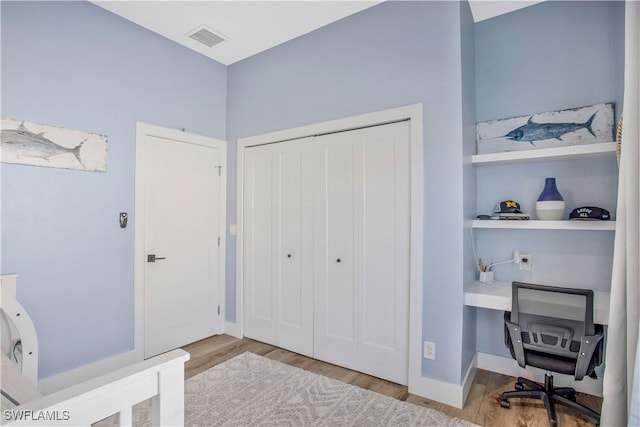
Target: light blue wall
<point>467,53</point>
<point>393,54</point>
<point>550,56</point>
<point>75,65</point>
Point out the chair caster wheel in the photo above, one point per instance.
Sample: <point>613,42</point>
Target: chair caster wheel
<point>505,404</point>
<point>519,386</point>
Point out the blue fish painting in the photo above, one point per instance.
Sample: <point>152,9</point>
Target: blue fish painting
<point>582,125</point>
<point>22,141</point>
<point>36,144</point>
<point>532,131</point>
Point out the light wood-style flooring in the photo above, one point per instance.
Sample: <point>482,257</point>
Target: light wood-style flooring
<point>482,406</point>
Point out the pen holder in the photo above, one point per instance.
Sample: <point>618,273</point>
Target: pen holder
<point>486,276</point>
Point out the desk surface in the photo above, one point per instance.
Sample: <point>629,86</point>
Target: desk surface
<point>497,296</point>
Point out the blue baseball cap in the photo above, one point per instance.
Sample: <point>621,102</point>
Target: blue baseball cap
<point>590,213</point>
<point>508,206</point>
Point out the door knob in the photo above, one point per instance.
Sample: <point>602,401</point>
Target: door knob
<point>153,258</point>
<point>289,255</point>
<point>338,260</point>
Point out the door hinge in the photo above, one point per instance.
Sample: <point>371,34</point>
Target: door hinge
<point>219,170</point>
<point>218,310</point>
<point>218,240</point>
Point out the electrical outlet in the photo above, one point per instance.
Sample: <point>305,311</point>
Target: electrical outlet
<point>430,350</point>
<point>525,262</point>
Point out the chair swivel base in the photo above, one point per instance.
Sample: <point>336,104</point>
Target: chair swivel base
<point>549,395</point>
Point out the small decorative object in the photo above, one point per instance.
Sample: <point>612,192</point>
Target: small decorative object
<point>584,125</point>
<point>550,204</point>
<point>36,144</point>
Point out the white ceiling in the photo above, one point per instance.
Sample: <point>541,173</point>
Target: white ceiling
<point>250,27</point>
<point>485,9</point>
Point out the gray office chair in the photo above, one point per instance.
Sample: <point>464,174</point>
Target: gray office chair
<point>552,328</point>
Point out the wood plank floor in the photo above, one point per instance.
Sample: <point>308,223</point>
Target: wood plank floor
<point>482,406</point>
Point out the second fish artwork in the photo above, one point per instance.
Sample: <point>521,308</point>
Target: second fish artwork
<point>37,144</point>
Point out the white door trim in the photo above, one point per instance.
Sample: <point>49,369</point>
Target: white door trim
<point>415,116</point>
<point>142,131</point>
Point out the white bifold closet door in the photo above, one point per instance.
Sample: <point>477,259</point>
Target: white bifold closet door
<point>362,250</point>
<point>326,247</point>
<point>278,245</point>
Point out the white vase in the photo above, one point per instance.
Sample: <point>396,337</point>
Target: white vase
<point>550,210</point>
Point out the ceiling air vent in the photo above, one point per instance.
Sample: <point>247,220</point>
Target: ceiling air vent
<point>206,36</point>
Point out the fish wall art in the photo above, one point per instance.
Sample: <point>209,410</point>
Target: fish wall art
<point>36,144</point>
<point>583,125</point>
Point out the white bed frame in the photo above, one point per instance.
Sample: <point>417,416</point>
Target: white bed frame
<point>22,324</point>
<point>160,378</point>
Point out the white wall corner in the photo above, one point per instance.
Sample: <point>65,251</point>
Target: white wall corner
<point>444,392</point>
<point>233,329</point>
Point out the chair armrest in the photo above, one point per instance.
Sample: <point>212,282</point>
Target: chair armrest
<point>515,338</point>
<point>588,345</point>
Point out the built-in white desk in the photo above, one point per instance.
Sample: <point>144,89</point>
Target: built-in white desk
<point>497,296</point>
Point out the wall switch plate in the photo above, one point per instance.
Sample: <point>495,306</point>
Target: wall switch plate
<point>430,350</point>
<point>525,262</point>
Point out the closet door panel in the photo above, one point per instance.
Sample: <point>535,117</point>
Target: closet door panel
<point>289,224</point>
<point>334,302</point>
<point>294,261</point>
<point>384,288</point>
<point>278,245</point>
<point>258,243</point>
<point>378,246</point>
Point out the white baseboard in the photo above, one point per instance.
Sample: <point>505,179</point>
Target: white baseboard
<point>508,366</point>
<point>456,395</point>
<point>444,392</point>
<point>84,373</point>
<point>467,381</point>
<point>233,329</point>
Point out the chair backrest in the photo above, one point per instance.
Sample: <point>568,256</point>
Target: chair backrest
<point>553,320</point>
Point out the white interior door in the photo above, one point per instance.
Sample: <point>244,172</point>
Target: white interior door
<point>278,245</point>
<point>182,228</point>
<point>362,250</point>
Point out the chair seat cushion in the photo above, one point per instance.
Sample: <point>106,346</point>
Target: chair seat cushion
<point>562,365</point>
<point>558,364</point>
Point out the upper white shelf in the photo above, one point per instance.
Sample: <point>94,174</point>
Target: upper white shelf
<point>546,225</point>
<point>584,151</point>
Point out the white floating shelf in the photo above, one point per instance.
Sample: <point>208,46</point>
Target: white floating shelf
<point>546,225</point>
<point>583,151</point>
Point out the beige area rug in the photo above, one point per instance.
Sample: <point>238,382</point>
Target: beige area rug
<point>251,390</point>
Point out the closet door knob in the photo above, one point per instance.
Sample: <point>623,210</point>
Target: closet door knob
<point>338,260</point>
<point>288,255</point>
